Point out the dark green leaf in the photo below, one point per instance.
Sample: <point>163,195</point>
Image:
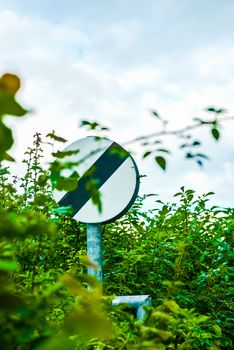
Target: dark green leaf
<point>210,193</point>
<point>146,154</point>
<point>163,150</point>
<point>201,155</point>
<point>221,110</point>
<point>216,110</point>
<point>211,109</point>
<point>155,114</point>
<point>215,133</point>
<point>184,145</point>
<point>189,155</point>
<point>196,143</point>
<point>161,162</point>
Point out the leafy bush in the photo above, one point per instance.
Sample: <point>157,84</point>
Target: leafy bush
<point>179,253</point>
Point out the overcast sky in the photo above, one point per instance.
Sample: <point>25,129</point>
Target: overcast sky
<point>114,61</point>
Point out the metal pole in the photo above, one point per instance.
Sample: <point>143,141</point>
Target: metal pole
<point>94,249</point>
<point>141,311</point>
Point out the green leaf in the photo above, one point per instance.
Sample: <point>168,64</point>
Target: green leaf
<point>63,210</point>
<point>4,171</point>
<point>177,194</point>
<point>189,155</point>
<point>202,319</point>
<point>183,145</point>
<point>201,155</point>
<point>64,154</point>
<point>6,140</point>
<point>146,154</point>
<point>163,150</point>
<point>220,110</point>
<point>161,162</point>
<point>9,106</point>
<point>93,125</point>
<point>217,330</point>
<point>52,136</point>
<point>211,109</point>
<point>189,191</point>
<point>42,180</point>
<point>215,133</point>
<point>216,110</point>
<point>196,143</point>
<point>104,128</point>
<point>67,184</point>
<point>6,265</point>
<point>226,277</point>
<point>8,157</point>
<point>90,125</point>
<point>171,305</point>
<point>155,114</point>
<point>84,123</point>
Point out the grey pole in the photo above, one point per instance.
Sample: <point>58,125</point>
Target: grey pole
<point>141,311</point>
<point>94,249</point>
<point>136,301</point>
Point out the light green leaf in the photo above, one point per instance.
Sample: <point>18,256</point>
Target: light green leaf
<point>6,265</point>
<point>63,210</point>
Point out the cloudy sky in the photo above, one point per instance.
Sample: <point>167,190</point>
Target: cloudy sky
<point>114,61</point>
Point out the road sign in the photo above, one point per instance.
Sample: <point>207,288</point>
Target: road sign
<point>137,302</point>
<point>114,173</point>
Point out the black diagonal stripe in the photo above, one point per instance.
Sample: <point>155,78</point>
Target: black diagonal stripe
<point>100,172</point>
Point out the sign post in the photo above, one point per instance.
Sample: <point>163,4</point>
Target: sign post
<point>94,250</point>
<point>105,166</point>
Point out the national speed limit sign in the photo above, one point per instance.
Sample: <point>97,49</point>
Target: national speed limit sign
<point>115,174</point>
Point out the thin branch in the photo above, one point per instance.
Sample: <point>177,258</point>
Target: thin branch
<point>175,132</point>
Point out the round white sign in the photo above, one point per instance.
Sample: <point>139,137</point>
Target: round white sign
<point>114,173</point>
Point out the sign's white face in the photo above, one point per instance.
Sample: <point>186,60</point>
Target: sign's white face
<point>117,178</point>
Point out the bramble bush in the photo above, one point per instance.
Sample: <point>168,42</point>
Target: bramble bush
<point>179,253</point>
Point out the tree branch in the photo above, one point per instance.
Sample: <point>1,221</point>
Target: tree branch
<point>176,132</point>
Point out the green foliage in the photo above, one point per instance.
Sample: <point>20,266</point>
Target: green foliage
<point>93,125</point>
<point>183,135</point>
<point>179,253</point>
<point>9,85</point>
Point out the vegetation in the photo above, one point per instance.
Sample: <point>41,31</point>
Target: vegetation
<point>179,253</point>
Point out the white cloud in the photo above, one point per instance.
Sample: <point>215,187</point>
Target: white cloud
<point>115,76</point>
